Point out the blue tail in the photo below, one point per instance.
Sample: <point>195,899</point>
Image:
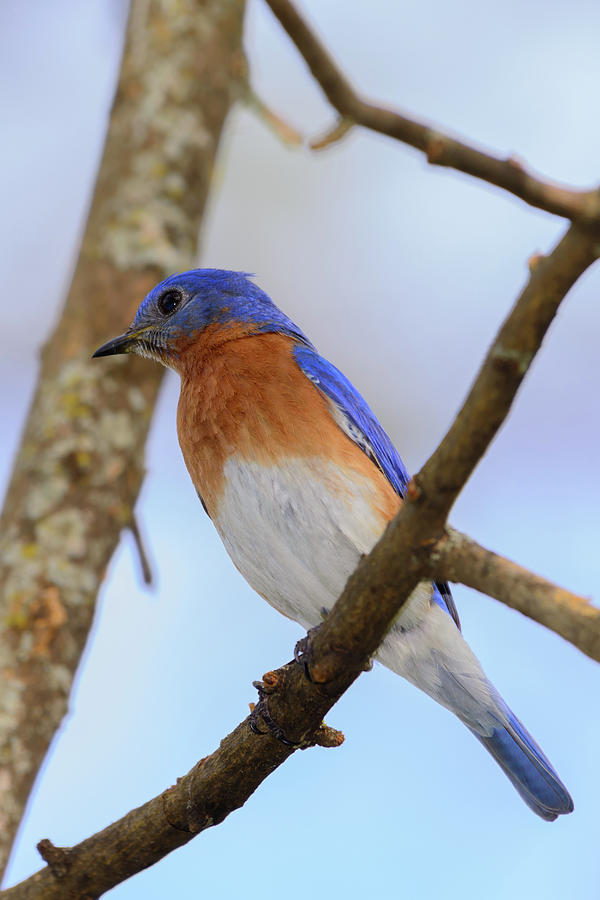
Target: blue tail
<point>519,756</point>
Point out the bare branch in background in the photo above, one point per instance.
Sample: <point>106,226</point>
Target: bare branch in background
<point>80,463</point>
<point>335,134</point>
<point>457,557</point>
<point>145,567</point>
<point>282,130</point>
<point>440,148</point>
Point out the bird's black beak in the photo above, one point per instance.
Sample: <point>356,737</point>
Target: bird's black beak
<point>122,344</point>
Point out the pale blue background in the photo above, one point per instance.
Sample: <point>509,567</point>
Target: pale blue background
<point>401,274</point>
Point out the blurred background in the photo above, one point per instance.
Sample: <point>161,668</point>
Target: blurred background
<point>401,274</point>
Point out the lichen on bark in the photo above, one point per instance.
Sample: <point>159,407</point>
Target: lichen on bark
<point>80,464</point>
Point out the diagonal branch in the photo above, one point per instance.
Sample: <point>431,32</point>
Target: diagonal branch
<point>457,557</point>
<point>440,148</point>
<point>222,782</point>
<point>351,632</point>
<point>491,396</point>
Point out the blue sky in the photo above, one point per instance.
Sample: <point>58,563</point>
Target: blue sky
<point>400,274</point>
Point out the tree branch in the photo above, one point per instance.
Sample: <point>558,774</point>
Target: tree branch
<point>349,635</point>
<point>457,557</point>
<point>440,148</point>
<point>80,464</point>
<point>222,782</point>
<point>491,397</point>
<point>145,567</point>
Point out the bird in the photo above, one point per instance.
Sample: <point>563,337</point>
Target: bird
<point>300,481</point>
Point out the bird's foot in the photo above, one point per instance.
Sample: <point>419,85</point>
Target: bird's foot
<point>260,711</point>
<point>303,651</point>
<point>303,648</point>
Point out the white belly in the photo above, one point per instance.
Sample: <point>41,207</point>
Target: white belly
<point>296,532</point>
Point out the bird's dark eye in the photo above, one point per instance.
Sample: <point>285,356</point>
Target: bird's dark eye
<point>169,302</point>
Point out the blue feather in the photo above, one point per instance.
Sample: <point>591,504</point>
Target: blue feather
<point>362,426</point>
<point>527,768</point>
<point>219,296</point>
<point>366,430</point>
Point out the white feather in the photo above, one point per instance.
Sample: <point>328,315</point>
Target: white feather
<point>296,531</point>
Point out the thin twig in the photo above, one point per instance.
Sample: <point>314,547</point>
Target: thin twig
<point>285,132</point>
<point>439,147</point>
<point>141,550</point>
<point>333,135</point>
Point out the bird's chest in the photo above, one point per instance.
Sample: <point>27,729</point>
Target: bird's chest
<point>296,529</point>
<point>295,501</point>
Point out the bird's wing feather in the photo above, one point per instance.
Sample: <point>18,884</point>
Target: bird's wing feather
<point>354,416</point>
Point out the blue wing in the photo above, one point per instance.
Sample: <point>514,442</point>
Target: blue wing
<point>356,418</point>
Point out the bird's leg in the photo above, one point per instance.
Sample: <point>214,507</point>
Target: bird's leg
<point>260,711</point>
<point>303,648</point>
<point>303,651</point>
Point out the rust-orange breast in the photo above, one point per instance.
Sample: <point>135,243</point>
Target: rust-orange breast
<point>247,396</point>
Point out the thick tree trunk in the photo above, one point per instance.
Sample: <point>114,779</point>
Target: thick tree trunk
<point>81,461</point>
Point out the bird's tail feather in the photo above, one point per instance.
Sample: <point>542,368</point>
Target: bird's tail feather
<point>528,769</point>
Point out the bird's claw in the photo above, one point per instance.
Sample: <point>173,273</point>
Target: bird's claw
<point>260,711</point>
<point>303,648</point>
<point>303,652</point>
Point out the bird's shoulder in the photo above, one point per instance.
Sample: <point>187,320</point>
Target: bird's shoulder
<point>353,415</point>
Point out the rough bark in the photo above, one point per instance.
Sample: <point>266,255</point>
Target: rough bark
<point>81,462</point>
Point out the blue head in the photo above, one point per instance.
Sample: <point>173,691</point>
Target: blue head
<point>176,312</point>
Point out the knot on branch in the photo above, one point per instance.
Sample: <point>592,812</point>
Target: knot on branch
<point>48,615</point>
<point>591,208</point>
<point>511,360</point>
<point>534,260</point>
<point>322,667</point>
<point>197,814</point>
<point>268,686</point>
<point>435,148</point>
<point>325,736</point>
<point>413,490</point>
<point>275,683</point>
<point>57,858</point>
<point>325,669</point>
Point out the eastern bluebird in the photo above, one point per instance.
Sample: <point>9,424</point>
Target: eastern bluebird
<point>300,480</point>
